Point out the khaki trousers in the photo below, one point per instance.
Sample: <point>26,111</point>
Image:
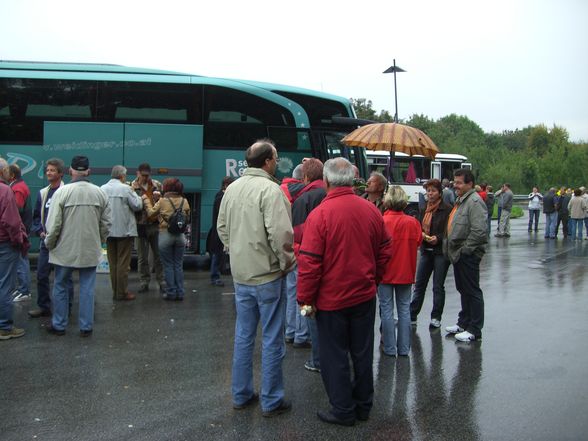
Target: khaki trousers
<point>119,259</point>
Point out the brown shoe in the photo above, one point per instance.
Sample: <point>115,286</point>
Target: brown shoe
<point>129,296</point>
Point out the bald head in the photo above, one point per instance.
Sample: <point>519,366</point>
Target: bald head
<point>259,152</point>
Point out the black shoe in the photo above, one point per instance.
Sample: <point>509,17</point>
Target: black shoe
<point>36,313</point>
<point>85,332</point>
<point>284,406</point>
<point>169,298</point>
<point>254,399</point>
<point>361,414</point>
<point>52,330</point>
<point>143,288</point>
<point>303,345</point>
<point>289,340</point>
<point>328,417</point>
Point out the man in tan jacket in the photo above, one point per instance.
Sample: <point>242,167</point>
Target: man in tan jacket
<point>255,225</point>
<point>77,224</point>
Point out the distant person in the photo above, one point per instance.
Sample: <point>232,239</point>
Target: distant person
<point>374,190</point>
<point>172,244</point>
<point>448,193</point>
<point>124,202</point>
<point>22,195</point>
<point>498,198</point>
<point>255,225</point>
<point>578,208</point>
<point>563,212</point>
<point>13,243</point>
<point>310,197</point>
<point>585,196</point>
<point>54,170</point>
<point>147,230</point>
<point>78,223</point>
<point>406,236</point>
<point>550,210</point>
<point>465,246</point>
<point>432,261</point>
<point>489,206</point>
<point>535,199</point>
<point>343,229</point>
<point>214,246</point>
<point>507,200</point>
<point>292,186</point>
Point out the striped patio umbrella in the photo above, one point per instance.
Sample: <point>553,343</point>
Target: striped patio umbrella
<point>392,137</point>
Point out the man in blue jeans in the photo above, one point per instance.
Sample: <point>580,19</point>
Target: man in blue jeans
<point>78,223</point>
<point>254,224</point>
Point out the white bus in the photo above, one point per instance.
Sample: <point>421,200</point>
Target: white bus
<point>411,172</point>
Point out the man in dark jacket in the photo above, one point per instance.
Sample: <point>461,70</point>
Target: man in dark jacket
<point>309,198</point>
<point>563,214</point>
<point>342,257</point>
<point>550,209</point>
<point>214,246</point>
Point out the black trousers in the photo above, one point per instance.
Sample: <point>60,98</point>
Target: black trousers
<point>345,332</point>
<point>467,281</point>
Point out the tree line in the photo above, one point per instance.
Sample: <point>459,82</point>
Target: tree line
<point>532,156</point>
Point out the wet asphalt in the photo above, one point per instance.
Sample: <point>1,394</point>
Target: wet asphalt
<point>156,370</point>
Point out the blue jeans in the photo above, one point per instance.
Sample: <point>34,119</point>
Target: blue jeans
<point>550,223</point>
<point>314,337</point>
<point>489,223</point>
<point>171,251</point>
<point>437,265</point>
<point>386,295</point>
<point>43,271</point>
<point>266,302</point>
<point>534,214</point>
<point>23,274</point>
<point>8,261</point>
<point>296,326</point>
<point>61,297</point>
<point>576,225</point>
<point>215,259</point>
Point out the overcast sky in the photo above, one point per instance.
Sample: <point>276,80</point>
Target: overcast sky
<point>505,64</point>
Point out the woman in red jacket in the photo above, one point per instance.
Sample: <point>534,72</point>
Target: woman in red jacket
<point>405,232</point>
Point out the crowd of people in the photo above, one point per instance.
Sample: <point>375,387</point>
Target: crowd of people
<point>73,222</point>
<point>309,257</point>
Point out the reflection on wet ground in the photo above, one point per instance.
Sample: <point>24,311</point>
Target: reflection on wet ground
<point>160,371</point>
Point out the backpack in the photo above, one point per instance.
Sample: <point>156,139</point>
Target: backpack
<point>177,222</point>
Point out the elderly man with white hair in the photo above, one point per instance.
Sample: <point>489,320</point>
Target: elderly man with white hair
<point>124,202</point>
<point>342,258</point>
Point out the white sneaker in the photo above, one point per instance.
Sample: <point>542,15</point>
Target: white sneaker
<point>435,323</point>
<point>20,297</point>
<point>465,336</point>
<point>454,329</point>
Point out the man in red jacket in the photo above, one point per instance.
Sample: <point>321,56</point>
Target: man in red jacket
<point>342,257</point>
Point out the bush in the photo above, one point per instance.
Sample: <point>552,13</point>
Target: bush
<point>515,213</point>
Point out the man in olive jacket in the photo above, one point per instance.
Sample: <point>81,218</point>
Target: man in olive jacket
<point>78,223</point>
<point>255,225</point>
<point>465,246</point>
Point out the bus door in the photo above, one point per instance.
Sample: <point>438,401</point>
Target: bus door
<point>172,150</point>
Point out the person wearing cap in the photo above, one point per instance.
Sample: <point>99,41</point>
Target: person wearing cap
<point>77,224</point>
<point>147,229</point>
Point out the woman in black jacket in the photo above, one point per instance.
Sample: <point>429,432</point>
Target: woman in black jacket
<point>434,222</point>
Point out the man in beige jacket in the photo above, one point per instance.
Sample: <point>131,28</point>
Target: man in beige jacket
<point>77,224</point>
<point>255,225</point>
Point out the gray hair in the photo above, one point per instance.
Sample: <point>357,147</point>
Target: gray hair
<point>381,177</point>
<point>396,198</point>
<point>297,172</point>
<point>78,173</point>
<point>339,172</point>
<point>118,171</point>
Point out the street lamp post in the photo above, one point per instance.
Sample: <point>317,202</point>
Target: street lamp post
<point>394,69</point>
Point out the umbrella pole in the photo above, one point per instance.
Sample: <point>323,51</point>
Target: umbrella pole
<point>395,95</point>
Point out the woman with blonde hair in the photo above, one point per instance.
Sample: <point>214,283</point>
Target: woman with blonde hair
<point>405,233</point>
